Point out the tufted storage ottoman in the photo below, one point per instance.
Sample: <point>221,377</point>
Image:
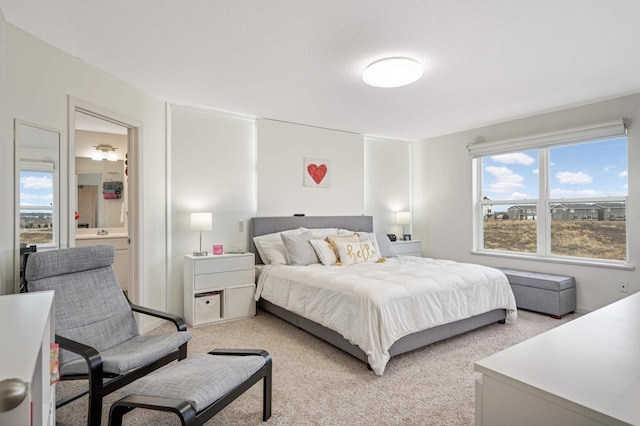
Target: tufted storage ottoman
<point>536,291</point>
<point>197,388</point>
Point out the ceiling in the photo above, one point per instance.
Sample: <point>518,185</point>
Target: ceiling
<point>486,61</point>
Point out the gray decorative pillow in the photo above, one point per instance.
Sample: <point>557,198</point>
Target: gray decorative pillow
<point>299,249</point>
<point>385,246</point>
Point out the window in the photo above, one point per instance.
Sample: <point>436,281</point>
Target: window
<point>566,198</point>
<point>37,200</point>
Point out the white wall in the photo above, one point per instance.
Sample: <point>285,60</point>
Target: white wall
<point>36,80</point>
<point>282,148</point>
<point>213,170</point>
<point>443,207</point>
<point>219,163</point>
<point>387,182</point>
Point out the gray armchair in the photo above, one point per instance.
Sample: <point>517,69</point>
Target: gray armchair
<point>95,326</point>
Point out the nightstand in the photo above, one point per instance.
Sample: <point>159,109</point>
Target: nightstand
<point>218,288</point>
<point>407,248</point>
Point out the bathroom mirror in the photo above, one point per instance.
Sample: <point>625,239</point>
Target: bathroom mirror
<point>100,193</point>
<point>101,175</point>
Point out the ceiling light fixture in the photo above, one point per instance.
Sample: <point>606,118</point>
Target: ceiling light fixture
<point>392,72</point>
<point>104,152</point>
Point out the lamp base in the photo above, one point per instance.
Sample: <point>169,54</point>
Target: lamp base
<point>200,253</point>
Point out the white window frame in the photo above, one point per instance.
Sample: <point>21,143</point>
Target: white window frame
<point>44,167</point>
<point>541,143</point>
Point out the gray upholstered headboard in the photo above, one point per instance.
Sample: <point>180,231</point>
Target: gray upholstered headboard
<point>269,225</point>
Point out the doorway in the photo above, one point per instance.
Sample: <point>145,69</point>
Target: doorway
<point>103,187</point>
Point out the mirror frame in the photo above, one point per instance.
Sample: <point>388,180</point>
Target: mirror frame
<point>60,225</point>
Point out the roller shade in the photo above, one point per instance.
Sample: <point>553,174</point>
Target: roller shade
<point>607,130</point>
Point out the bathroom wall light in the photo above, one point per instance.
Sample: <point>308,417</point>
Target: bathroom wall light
<point>392,72</point>
<point>104,152</point>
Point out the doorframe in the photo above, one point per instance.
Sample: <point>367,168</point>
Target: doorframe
<point>134,175</point>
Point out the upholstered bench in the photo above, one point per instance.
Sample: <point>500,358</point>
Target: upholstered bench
<point>549,294</point>
<point>199,387</point>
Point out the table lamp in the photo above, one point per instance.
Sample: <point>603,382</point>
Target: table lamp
<point>201,222</point>
<point>403,218</point>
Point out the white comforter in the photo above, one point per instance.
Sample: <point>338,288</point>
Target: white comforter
<point>374,304</point>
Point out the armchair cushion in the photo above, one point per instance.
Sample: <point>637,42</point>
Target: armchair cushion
<point>134,353</point>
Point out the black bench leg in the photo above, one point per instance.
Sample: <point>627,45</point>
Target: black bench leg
<point>266,394</point>
<point>182,409</point>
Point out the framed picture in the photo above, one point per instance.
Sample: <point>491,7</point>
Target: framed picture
<point>317,172</point>
<point>406,237</point>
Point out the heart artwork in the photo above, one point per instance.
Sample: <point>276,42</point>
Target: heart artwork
<point>316,172</point>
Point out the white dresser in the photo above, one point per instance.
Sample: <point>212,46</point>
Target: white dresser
<point>407,248</point>
<point>584,372</point>
<point>27,322</point>
<point>218,288</point>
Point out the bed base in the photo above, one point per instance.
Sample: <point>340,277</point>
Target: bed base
<point>406,344</point>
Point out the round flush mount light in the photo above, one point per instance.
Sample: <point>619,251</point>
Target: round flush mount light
<point>392,72</point>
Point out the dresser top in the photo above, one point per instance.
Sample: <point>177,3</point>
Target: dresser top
<point>591,362</point>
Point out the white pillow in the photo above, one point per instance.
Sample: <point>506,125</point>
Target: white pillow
<point>270,238</point>
<point>385,248</point>
<point>362,251</point>
<point>274,252</point>
<point>324,252</point>
<point>342,231</point>
<point>321,232</point>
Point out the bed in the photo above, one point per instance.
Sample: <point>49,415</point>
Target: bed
<point>376,310</point>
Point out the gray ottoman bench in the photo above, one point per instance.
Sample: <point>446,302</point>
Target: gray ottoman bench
<point>197,388</point>
<point>549,294</point>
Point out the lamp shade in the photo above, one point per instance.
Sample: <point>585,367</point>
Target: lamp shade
<point>403,218</point>
<point>202,221</point>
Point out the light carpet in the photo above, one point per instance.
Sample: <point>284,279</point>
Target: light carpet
<point>315,383</point>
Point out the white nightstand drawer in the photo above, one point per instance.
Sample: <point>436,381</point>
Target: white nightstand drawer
<point>407,248</point>
<point>223,279</point>
<point>223,263</point>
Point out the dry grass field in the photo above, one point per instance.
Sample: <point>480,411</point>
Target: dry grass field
<point>36,236</point>
<point>585,238</point>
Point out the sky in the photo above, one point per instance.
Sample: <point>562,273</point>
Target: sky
<point>587,170</point>
<point>36,188</point>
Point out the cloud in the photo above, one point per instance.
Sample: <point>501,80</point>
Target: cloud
<point>519,196</point>
<point>570,193</point>
<point>573,178</point>
<point>535,171</point>
<point>505,179</point>
<point>623,174</point>
<point>514,158</point>
<point>33,182</point>
<point>36,199</point>
<point>607,169</point>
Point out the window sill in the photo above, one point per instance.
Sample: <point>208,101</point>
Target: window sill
<point>577,262</point>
